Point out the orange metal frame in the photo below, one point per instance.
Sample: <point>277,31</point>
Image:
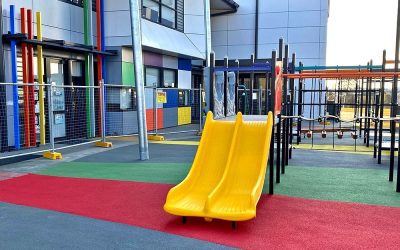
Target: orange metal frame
<point>339,74</point>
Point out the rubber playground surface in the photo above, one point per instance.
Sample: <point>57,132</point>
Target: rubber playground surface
<point>326,199</point>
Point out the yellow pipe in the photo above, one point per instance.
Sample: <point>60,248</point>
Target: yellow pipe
<point>40,80</point>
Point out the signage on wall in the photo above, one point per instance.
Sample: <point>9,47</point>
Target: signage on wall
<point>162,97</point>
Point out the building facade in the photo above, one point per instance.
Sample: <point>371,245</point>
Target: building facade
<point>177,36</point>
<point>257,26</point>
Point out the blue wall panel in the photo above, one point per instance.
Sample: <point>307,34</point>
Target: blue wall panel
<point>172,98</point>
<point>185,64</point>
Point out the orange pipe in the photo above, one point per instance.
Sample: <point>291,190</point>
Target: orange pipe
<point>335,71</point>
<point>342,75</point>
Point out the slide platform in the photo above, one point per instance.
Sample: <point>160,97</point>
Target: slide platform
<point>228,173</point>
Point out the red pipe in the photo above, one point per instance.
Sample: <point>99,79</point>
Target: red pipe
<point>99,61</point>
<point>27,139</point>
<point>31,80</point>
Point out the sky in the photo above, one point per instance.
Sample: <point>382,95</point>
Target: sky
<point>359,30</point>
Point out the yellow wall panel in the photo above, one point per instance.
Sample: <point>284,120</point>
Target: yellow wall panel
<point>184,115</point>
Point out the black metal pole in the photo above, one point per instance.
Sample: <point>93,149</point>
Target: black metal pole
<point>3,107</point>
<point>376,123</point>
<point>212,81</point>
<point>272,109</point>
<point>300,107</point>
<point>278,149</point>
<point>365,110</point>
<point>286,109</point>
<point>292,99</point>
<point>369,106</point>
<point>256,30</point>
<point>2,76</point>
<point>236,87</point>
<point>226,86</point>
<point>381,109</point>
<point>252,85</point>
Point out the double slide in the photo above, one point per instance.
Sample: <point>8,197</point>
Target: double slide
<point>228,172</point>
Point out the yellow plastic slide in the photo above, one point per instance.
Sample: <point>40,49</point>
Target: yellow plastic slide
<point>188,198</point>
<point>237,194</point>
<point>228,172</point>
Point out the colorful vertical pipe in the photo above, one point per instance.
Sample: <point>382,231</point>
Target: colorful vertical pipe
<point>31,81</point>
<point>99,61</point>
<point>14,78</point>
<point>87,66</point>
<point>27,138</point>
<point>103,47</point>
<point>40,79</point>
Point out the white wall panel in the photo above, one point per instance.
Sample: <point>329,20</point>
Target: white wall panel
<point>240,51</point>
<point>194,7</point>
<point>240,22</point>
<point>198,41</point>
<point>184,79</point>
<point>272,35</point>
<point>265,50</point>
<point>241,37</point>
<point>273,6</point>
<point>304,34</point>
<point>300,5</point>
<point>220,51</point>
<point>219,23</point>
<point>219,38</point>
<point>306,50</point>
<point>273,20</point>
<point>324,4</point>
<point>304,18</point>
<point>194,24</point>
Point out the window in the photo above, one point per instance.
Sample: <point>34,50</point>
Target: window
<point>121,99</point>
<point>160,78</point>
<point>169,79</point>
<point>166,12</point>
<point>152,77</point>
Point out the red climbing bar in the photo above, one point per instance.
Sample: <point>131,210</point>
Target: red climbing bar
<point>27,139</point>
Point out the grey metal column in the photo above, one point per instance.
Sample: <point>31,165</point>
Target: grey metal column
<point>207,23</point>
<point>395,104</point>
<point>138,60</point>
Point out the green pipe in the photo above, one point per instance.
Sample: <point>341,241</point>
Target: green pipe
<point>87,67</point>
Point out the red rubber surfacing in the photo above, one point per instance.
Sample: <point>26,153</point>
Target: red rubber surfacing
<point>282,222</point>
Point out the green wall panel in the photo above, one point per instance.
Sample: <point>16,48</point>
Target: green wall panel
<point>128,74</point>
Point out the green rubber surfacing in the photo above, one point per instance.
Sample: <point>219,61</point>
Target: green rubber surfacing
<point>166,173</point>
<point>369,186</point>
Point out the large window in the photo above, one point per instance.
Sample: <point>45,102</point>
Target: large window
<point>160,78</point>
<point>166,12</point>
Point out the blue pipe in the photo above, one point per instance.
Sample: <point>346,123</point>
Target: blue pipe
<point>17,140</point>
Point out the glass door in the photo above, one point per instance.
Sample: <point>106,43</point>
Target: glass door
<point>55,76</point>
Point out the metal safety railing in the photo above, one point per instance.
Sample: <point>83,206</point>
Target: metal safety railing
<point>44,118</point>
